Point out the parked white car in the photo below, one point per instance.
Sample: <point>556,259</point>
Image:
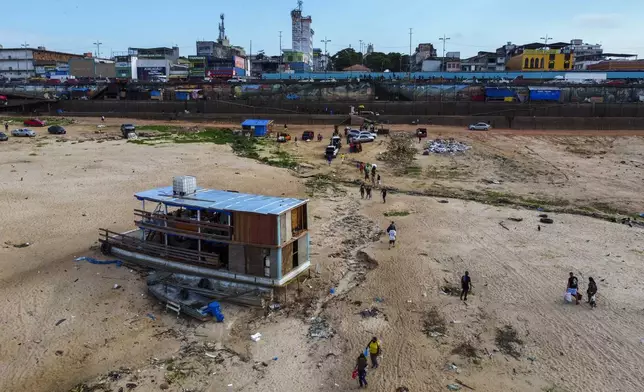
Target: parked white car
<point>363,138</point>
<point>480,127</point>
<point>369,133</point>
<point>23,132</point>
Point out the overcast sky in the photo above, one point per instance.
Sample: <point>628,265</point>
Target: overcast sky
<point>472,25</point>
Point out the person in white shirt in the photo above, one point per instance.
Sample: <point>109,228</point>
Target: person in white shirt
<point>392,238</point>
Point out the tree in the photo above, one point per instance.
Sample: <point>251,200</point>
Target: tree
<point>377,62</point>
<point>346,58</point>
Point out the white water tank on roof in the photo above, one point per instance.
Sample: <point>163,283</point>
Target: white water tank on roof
<point>184,185</point>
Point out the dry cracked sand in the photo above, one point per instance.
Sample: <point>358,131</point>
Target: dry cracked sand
<point>64,327</point>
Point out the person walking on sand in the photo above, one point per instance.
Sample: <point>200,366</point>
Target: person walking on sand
<point>379,182</point>
<point>392,226</point>
<point>374,351</point>
<point>384,195</point>
<point>361,367</point>
<point>362,190</point>
<point>392,237</point>
<point>6,126</point>
<point>572,287</point>
<point>591,292</point>
<point>466,285</point>
<point>368,188</point>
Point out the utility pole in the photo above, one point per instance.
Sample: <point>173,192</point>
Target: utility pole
<point>25,46</point>
<point>409,61</point>
<point>545,39</point>
<point>98,48</point>
<point>444,38</point>
<point>326,54</point>
<point>280,63</point>
<point>361,54</point>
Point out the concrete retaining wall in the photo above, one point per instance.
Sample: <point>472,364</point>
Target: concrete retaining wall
<point>481,109</point>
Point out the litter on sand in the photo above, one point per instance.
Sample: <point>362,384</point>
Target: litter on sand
<point>99,262</point>
<point>256,337</point>
<point>445,146</point>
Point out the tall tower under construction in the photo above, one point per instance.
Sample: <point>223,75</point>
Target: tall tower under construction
<point>302,33</point>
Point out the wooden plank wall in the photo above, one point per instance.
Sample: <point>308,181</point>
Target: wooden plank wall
<point>287,259</point>
<point>255,228</point>
<point>289,225</point>
<point>283,229</point>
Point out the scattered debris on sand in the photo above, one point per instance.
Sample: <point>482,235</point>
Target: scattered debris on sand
<point>445,146</point>
<point>320,329</point>
<point>508,341</point>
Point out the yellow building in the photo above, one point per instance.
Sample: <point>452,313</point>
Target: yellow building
<point>541,60</point>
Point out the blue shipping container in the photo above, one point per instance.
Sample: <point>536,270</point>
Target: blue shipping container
<point>545,95</point>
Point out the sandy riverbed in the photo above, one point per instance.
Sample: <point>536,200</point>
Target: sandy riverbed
<point>57,194</point>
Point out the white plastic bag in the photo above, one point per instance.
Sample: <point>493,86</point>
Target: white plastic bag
<point>568,297</point>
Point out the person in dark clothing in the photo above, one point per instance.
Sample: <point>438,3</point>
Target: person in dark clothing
<point>362,190</point>
<point>384,195</point>
<point>591,291</point>
<point>368,191</point>
<point>466,285</point>
<point>392,226</point>
<point>361,367</point>
<point>572,287</point>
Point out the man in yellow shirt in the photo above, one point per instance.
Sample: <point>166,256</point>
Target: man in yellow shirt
<point>374,351</point>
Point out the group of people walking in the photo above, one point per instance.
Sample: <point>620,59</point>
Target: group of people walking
<point>370,172</point>
<point>373,349</point>
<point>572,291</point>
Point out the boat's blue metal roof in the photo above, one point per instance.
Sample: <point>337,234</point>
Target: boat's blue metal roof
<point>255,123</point>
<point>212,199</point>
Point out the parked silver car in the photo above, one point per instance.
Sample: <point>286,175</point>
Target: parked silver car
<point>363,138</point>
<point>480,127</point>
<point>23,132</point>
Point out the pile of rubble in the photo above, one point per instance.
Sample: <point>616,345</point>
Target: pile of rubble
<point>320,328</point>
<point>445,146</point>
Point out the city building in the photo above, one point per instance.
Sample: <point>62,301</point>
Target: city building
<point>542,60</point>
<point>180,70</point>
<point>452,64</point>
<point>171,54</point>
<point>92,68</point>
<point>483,62</point>
<point>302,34</point>
<point>125,67</point>
<point>261,64</point>
<point>148,64</point>
<point>24,63</point>
<point>296,61</point>
<point>218,59</point>
<point>423,52</point>
<point>618,65</point>
<point>320,60</point>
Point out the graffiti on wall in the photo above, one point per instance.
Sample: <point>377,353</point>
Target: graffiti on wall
<point>306,91</point>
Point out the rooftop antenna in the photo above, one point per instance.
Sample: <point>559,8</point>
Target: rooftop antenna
<point>222,28</point>
<point>299,5</point>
